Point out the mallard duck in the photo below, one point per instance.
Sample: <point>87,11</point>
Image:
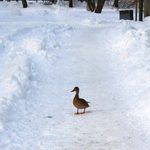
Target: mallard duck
<point>79,103</point>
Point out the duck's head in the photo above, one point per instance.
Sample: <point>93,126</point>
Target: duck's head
<point>76,89</point>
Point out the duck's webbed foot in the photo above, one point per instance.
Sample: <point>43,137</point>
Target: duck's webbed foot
<point>77,113</point>
<point>83,111</point>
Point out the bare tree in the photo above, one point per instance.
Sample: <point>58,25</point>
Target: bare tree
<point>115,3</point>
<point>100,5</point>
<point>136,9</point>
<point>146,8</point>
<point>93,6</point>
<point>24,4</point>
<point>141,10</point>
<point>70,3</point>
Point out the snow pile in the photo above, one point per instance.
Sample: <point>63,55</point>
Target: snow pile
<point>14,80</point>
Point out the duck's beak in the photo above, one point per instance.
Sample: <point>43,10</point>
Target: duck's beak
<point>72,90</point>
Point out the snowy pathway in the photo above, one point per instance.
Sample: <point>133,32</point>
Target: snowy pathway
<point>53,59</point>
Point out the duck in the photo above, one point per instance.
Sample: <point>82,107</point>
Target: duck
<point>78,102</point>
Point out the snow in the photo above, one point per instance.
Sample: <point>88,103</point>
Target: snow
<point>48,50</point>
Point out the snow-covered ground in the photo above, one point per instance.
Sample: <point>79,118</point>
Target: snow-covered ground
<point>47,50</point>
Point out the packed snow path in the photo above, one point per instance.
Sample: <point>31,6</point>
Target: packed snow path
<point>44,61</point>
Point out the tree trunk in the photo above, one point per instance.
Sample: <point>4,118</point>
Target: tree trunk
<point>141,10</point>
<point>91,5</point>
<point>100,5</point>
<point>136,9</point>
<point>24,4</point>
<point>115,3</point>
<point>146,8</point>
<point>70,3</point>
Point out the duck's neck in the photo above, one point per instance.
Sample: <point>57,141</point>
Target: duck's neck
<point>77,93</point>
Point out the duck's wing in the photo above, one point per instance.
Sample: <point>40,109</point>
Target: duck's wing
<point>84,102</point>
